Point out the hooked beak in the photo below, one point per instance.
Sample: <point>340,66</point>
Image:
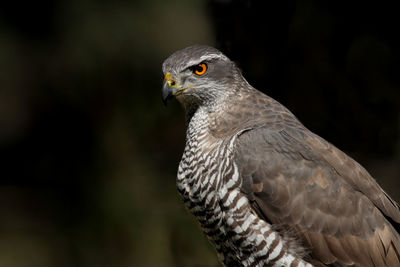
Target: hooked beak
<point>169,88</point>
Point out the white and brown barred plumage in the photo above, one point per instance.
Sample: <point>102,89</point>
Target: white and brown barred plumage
<point>266,190</point>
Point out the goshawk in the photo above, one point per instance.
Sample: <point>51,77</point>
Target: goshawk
<point>266,190</point>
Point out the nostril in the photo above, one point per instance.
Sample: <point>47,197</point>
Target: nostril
<point>171,83</point>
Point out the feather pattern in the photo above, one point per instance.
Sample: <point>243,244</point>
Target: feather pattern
<point>266,190</point>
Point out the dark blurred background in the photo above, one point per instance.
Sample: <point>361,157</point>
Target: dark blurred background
<point>89,153</point>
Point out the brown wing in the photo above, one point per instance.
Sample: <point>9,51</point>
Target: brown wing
<point>298,180</point>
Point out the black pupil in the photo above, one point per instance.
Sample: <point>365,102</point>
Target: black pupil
<point>198,68</point>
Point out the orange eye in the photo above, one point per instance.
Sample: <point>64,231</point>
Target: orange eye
<point>199,69</point>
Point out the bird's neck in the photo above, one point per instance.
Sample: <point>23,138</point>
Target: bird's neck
<point>219,119</point>
<point>206,109</point>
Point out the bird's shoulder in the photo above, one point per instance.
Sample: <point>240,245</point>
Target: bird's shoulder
<point>295,152</point>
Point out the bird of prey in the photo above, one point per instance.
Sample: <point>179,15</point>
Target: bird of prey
<point>265,189</point>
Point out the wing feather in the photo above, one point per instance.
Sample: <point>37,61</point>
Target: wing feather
<point>298,180</point>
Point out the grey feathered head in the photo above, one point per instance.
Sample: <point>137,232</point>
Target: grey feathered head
<point>199,75</point>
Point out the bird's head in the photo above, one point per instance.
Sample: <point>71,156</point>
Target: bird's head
<point>199,75</point>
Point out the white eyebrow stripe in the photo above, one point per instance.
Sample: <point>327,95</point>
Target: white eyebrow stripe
<point>212,56</point>
<point>206,57</point>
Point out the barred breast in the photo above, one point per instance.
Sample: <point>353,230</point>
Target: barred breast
<point>209,183</point>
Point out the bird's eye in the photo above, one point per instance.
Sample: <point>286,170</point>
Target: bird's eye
<point>200,69</point>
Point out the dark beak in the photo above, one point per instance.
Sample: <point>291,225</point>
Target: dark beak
<point>167,92</point>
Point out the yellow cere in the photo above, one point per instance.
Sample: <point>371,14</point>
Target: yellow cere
<point>168,78</point>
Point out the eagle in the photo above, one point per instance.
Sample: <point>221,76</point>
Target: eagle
<point>265,190</point>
